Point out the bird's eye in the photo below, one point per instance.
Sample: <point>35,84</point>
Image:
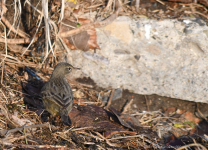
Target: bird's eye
<point>69,68</point>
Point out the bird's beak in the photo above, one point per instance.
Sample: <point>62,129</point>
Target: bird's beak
<point>76,69</point>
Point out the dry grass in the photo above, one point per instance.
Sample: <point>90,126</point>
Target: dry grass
<point>22,116</point>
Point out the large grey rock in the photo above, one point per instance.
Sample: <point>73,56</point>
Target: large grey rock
<point>167,58</point>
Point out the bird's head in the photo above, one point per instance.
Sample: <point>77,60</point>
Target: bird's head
<point>63,69</point>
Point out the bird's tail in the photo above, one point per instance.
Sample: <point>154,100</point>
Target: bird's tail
<point>65,117</point>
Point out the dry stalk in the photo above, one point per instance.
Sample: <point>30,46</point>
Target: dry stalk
<point>5,132</point>
<point>91,135</point>
<point>11,27</point>
<point>146,112</point>
<point>33,7</point>
<point>62,10</point>
<point>154,119</point>
<point>84,128</point>
<point>135,136</point>
<point>25,146</point>
<point>18,41</point>
<point>5,40</point>
<point>6,114</point>
<point>193,144</point>
<point>137,5</point>
<point>159,1</point>
<point>107,140</point>
<point>108,5</point>
<point>12,138</point>
<point>40,21</point>
<point>47,30</point>
<point>4,96</point>
<point>34,37</point>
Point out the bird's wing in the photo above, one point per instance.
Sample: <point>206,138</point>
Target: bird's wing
<point>60,93</point>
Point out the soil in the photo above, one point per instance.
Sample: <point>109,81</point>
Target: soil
<point>149,102</point>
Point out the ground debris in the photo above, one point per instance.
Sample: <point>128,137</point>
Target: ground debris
<point>123,123</point>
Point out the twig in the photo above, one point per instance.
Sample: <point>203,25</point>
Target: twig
<point>206,16</point>
<point>127,106</point>
<point>33,7</point>
<point>17,16</point>
<point>34,37</point>
<point>6,114</point>
<point>137,5</point>
<point>20,64</point>
<point>10,139</point>
<point>9,57</point>
<point>110,99</point>
<point>18,41</point>
<point>47,29</point>
<point>47,54</point>
<point>107,140</point>
<point>146,112</point>
<point>19,32</point>
<point>134,136</point>
<point>4,95</point>
<point>25,136</point>
<point>193,144</point>
<point>160,2</point>
<point>91,127</point>
<point>94,103</point>
<point>156,118</point>
<point>62,11</point>
<point>4,132</point>
<point>2,73</point>
<point>38,146</point>
<point>5,40</point>
<point>18,49</point>
<point>124,137</point>
<point>108,5</point>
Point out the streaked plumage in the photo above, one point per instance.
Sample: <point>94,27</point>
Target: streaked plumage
<point>57,95</point>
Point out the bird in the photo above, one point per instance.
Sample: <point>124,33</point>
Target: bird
<point>57,95</point>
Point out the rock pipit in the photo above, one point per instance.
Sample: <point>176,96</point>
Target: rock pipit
<point>57,95</point>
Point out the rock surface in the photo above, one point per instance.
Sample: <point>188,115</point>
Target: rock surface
<point>168,58</point>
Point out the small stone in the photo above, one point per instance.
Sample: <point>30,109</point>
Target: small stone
<point>206,32</point>
<point>154,49</point>
<point>187,31</point>
<point>137,57</point>
<point>196,48</point>
<point>117,94</point>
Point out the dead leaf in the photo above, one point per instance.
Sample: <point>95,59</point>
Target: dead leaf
<point>121,120</point>
<point>84,41</point>
<point>170,111</point>
<point>95,118</point>
<point>190,117</point>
